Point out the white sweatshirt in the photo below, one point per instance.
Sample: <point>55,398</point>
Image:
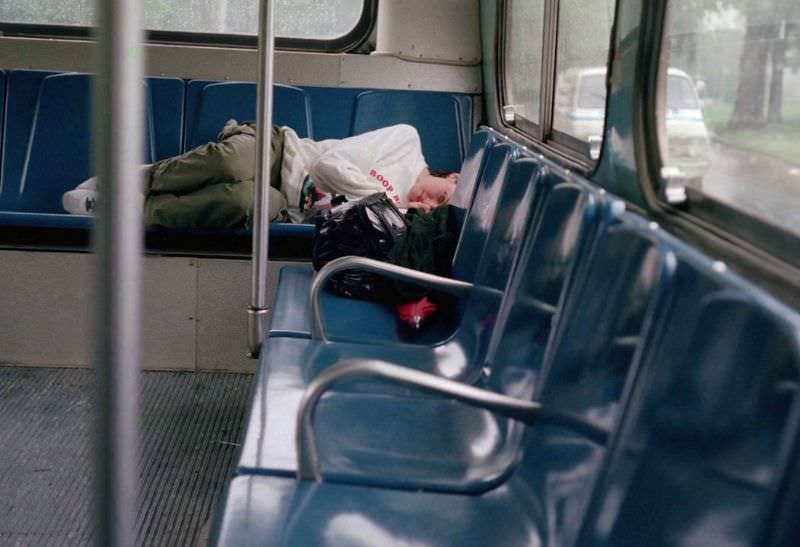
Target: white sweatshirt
<point>385,160</point>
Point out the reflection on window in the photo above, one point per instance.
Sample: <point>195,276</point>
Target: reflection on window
<point>584,33</point>
<point>315,19</point>
<point>524,59</point>
<point>732,110</point>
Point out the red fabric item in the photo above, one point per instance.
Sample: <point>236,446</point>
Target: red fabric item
<point>414,314</point>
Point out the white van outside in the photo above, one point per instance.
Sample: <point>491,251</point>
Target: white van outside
<point>580,112</point>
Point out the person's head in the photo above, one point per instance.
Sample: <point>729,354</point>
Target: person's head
<point>432,189</point>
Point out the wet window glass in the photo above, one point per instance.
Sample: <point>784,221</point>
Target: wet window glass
<point>314,19</point>
<point>731,115</point>
<point>523,59</point>
<point>584,35</point>
<point>592,93</point>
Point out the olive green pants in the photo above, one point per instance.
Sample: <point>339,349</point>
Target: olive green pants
<point>211,186</point>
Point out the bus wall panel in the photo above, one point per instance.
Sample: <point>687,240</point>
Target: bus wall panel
<point>223,298</point>
<point>194,314</point>
<point>241,64</point>
<point>46,300</point>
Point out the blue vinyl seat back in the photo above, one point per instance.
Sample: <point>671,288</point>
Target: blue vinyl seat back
<point>589,368</point>
<point>22,91</point>
<point>57,152</point>
<point>210,105</point>
<point>515,213</point>
<point>569,219</point>
<point>481,215</point>
<point>166,102</point>
<point>59,146</point>
<point>786,529</point>
<point>439,118</point>
<point>603,322</point>
<point>471,172</point>
<point>703,450</point>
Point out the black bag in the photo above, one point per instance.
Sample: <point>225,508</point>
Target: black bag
<point>428,246</point>
<point>369,227</point>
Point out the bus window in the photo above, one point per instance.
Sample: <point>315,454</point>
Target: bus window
<point>523,61</point>
<point>303,19</point>
<point>731,114</point>
<point>584,33</point>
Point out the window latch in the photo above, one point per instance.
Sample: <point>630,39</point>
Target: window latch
<point>509,114</point>
<point>673,187</point>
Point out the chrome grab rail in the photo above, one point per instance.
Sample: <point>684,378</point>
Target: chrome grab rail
<point>318,329</point>
<point>258,311</point>
<point>522,410</point>
<point>307,455</point>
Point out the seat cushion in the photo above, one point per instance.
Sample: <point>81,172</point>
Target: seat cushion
<point>46,220</point>
<point>368,429</point>
<point>347,319</point>
<point>545,497</point>
<point>280,511</point>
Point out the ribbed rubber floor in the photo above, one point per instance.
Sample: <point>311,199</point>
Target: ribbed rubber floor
<point>191,424</point>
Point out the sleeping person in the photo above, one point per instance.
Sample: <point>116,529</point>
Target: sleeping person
<point>211,186</point>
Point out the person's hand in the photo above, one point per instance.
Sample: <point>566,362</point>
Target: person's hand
<point>420,205</point>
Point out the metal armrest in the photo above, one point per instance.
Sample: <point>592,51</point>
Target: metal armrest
<point>517,409</point>
<point>444,284</point>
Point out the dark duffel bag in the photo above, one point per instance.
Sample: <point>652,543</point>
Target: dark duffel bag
<point>369,227</point>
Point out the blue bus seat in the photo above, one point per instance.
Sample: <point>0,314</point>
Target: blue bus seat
<point>59,150</point>
<point>702,440</point>
<point>703,456</point>
<point>49,142</point>
<point>166,101</point>
<point>22,91</point>
<point>439,118</point>
<point>291,315</point>
<point>46,220</point>
<point>59,146</point>
<point>211,104</point>
<point>569,217</point>
<point>543,479</point>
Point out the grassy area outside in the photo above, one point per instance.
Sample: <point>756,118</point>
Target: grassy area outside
<point>780,140</point>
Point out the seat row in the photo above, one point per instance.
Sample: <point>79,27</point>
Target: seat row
<point>46,131</point>
<point>597,382</point>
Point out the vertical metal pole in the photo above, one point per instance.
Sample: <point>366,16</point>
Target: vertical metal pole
<point>118,141</point>
<point>259,310</point>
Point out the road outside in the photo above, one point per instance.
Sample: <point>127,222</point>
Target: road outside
<point>766,187</point>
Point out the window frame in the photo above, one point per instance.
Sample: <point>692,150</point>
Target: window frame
<point>737,227</point>
<point>524,125</point>
<point>543,135</point>
<point>346,43</point>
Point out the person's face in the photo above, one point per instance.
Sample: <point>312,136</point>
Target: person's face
<point>433,191</point>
